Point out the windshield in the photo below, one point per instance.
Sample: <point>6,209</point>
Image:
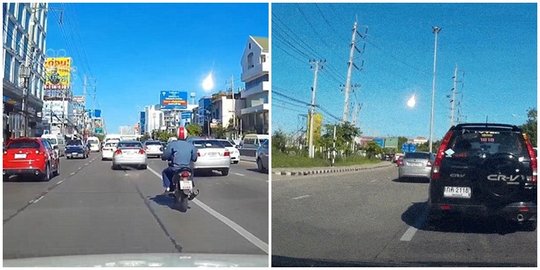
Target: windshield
<point>417,155</point>
<point>153,143</point>
<point>129,145</point>
<point>207,144</point>
<point>52,141</point>
<point>23,144</point>
<point>74,142</point>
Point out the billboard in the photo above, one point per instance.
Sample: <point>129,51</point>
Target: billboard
<point>97,113</point>
<point>57,77</point>
<point>391,142</point>
<point>379,142</point>
<point>186,115</point>
<point>173,100</point>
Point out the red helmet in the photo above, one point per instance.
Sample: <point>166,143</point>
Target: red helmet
<point>182,133</point>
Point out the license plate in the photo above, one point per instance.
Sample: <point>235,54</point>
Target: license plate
<point>20,156</point>
<point>457,192</point>
<point>186,184</point>
<point>212,154</point>
<point>414,164</point>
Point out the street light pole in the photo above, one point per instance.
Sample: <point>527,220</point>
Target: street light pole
<point>436,31</point>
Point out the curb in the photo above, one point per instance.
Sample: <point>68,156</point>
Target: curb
<point>331,170</point>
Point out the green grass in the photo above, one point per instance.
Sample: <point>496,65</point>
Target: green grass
<point>281,160</point>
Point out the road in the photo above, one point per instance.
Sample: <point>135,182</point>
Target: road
<point>91,209</point>
<point>370,218</point>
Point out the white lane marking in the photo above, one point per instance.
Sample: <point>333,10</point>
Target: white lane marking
<point>373,181</point>
<point>79,168</point>
<point>60,182</point>
<point>37,200</point>
<point>86,164</point>
<point>419,222</point>
<point>301,197</point>
<point>243,232</point>
<point>239,174</point>
<point>73,173</point>
<point>409,234</point>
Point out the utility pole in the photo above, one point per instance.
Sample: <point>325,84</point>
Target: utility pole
<point>453,100</point>
<point>233,106</point>
<point>436,31</point>
<point>318,65</point>
<point>334,147</point>
<point>349,72</point>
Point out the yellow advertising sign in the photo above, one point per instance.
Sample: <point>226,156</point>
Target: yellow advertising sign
<point>57,73</point>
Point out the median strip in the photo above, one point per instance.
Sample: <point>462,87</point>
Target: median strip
<point>302,172</point>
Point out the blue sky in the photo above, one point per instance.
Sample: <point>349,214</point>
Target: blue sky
<point>133,51</point>
<point>493,45</point>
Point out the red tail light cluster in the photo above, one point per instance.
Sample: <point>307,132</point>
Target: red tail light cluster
<point>141,151</point>
<point>118,152</point>
<point>227,154</point>
<point>185,174</point>
<point>436,173</point>
<point>532,155</point>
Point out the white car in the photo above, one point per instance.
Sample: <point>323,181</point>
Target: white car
<point>211,155</point>
<point>129,153</point>
<point>153,148</point>
<point>108,150</point>
<point>94,144</point>
<point>235,154</point>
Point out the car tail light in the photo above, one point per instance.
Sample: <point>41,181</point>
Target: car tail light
<point>141,151</point>
<point>532,156</point>
<point>118,152</point>
<point>436,173</point>
<point>399,162</point>
<point>227,154</point>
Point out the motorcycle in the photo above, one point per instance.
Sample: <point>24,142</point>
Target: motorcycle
<point>183,188</point>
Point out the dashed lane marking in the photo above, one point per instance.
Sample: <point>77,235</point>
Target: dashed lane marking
<point>243,232</point>
<point>239,174</point>
<point>419,222</point>
<point>301,197</point>
<point>37,200</point>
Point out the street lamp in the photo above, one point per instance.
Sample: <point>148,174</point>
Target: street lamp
<point>24,73</point>
<point>436,31</point>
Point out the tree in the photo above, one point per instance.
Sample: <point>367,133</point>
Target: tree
<point>145,137</point>
<point>219,132</point>
<point>194,129</point>
<point>279,141</point>
<point>530,127</point>
<point>373,149</point>
<point>345,134</point>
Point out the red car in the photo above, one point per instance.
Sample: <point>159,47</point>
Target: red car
<point>30,156</point>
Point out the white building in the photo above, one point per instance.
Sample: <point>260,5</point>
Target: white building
<point>154,119</point>
<point>174,118</point>
<point>255,74</point>
<point>24,35</point>
<point>222,110</point>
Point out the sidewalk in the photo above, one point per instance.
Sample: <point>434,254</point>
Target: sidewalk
<point>324,170</point>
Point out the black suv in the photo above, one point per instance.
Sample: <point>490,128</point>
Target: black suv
<point>485,170</point>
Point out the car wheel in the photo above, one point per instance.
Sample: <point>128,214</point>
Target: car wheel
<point>225,172</point>
<point>115,167</point>
<point>47,175</point>
<point>260,166</point>
<point>143,167</point>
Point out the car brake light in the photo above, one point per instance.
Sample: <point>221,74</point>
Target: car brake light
<point>118,152</point>
<point>141,151</point>
<point>227,154</point>
<point>436,173</point>
<point>532,156</point>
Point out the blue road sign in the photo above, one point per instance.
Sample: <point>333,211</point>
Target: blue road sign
<point>173,100</point>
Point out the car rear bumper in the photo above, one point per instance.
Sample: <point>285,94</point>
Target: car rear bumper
<point>154,153</point>
<point>510,211</point>
<point>75,154</point>
<point>212,164</point>
<point>28,171</point>
<point>129,160</point>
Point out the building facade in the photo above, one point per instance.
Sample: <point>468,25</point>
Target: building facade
<point>154,119</point>
<point>24,35</point>
<point>255,74</point>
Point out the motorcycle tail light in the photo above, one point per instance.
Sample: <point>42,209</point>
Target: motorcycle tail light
<point>184,174</point>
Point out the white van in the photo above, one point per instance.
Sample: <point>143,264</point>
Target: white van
<point>57,141</point>
<point>253,141</point>
<point>95,145</point>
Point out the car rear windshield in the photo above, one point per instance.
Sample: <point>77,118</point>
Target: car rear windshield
<point>152,143</point>
<point>23,144</point>
<point>417,155</point>
<point>207,144</point>
<point>110,145</point>
<point>129,145</point>
<point>473,142</point>
<point>226,143</point>
<point>74,142</point>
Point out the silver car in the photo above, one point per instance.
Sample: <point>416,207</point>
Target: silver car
<point>129,153</point>
<point>153,148</point>
<point>262,156</point>
<point>416,164</point>
<point>211,155</point>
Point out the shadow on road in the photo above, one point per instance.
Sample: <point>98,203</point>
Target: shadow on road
<point>256,170</point>
<point>25,179</point>
<point>417,216</point>
<point>421,180</point>
<point>207,173</point>
<point>167,200</point>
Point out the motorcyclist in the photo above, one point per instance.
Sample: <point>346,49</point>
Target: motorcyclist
<point>180,154</point>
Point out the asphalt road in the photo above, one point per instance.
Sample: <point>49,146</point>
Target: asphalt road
<point>369,218</point>
<point>91,209</point>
